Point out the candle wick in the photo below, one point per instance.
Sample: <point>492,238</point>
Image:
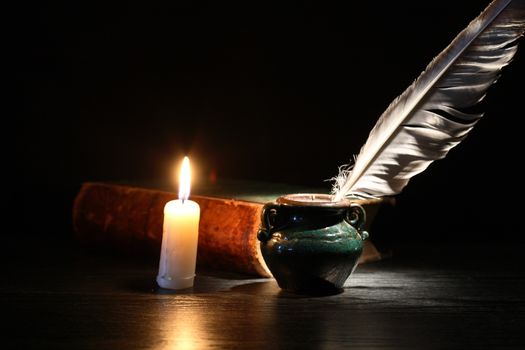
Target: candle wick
<point>182,199</point>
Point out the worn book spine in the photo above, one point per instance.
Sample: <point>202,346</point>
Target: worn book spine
<point>130,219</point>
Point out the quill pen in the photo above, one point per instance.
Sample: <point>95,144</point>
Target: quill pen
<point>431,116</point>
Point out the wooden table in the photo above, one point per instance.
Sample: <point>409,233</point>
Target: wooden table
<point>55,295</point>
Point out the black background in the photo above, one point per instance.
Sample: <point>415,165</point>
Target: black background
<point>281,92</point>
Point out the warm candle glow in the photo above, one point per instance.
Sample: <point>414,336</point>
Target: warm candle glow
<point>185,179</point>
<point>180,236</point>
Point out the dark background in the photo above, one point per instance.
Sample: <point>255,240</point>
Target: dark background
<point>258,91</point>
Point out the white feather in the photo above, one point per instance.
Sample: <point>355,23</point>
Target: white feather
<point>426,121</point>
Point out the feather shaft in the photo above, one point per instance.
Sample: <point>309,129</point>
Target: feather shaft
<point>414,130</point>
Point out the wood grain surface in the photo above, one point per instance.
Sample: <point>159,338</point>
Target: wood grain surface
<point>55,295</point>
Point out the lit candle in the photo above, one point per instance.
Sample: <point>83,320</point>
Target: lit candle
<point>178,253</point>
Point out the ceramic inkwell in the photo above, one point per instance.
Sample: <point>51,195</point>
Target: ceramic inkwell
<point>310,243</point>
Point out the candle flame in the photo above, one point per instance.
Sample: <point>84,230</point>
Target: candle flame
<point>184,180</point>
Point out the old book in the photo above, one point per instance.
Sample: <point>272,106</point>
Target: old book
<point>130,218</point>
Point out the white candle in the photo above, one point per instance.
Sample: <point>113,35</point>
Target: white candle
<point>178,253</point>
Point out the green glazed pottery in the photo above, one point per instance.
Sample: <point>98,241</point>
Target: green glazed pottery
<point>310,243</point>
